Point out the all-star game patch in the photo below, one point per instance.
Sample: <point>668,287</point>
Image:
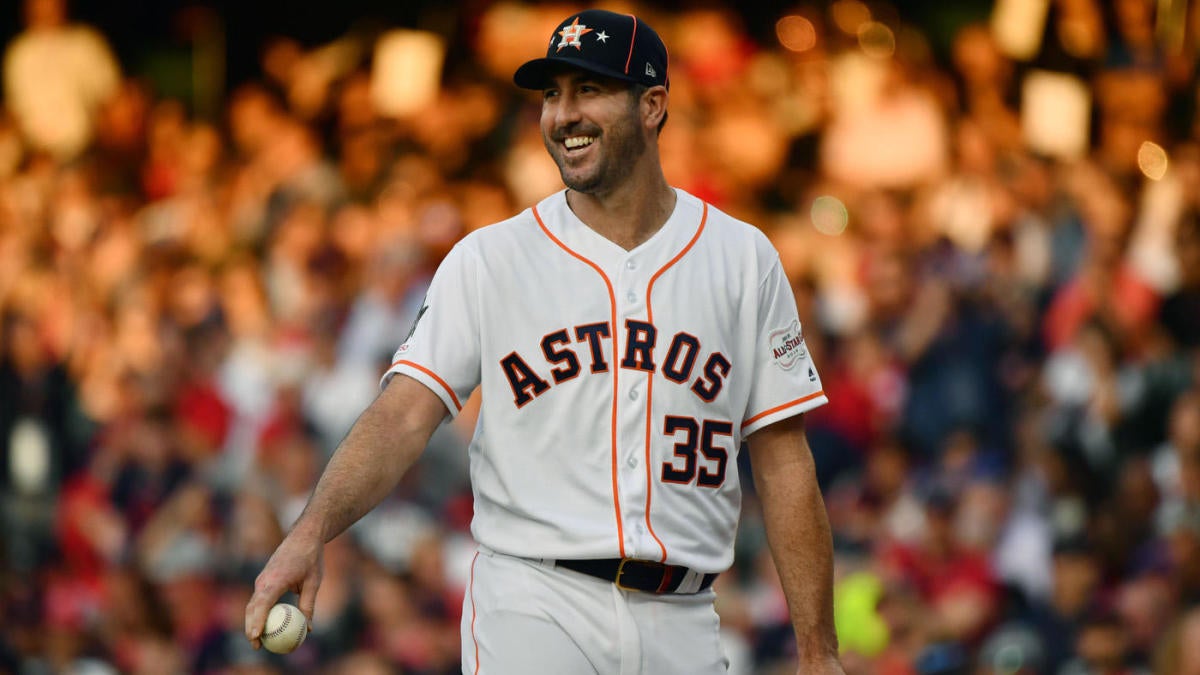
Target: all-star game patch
<point>787,346</point>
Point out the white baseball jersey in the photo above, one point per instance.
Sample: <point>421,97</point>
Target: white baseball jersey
<point>617,385</point>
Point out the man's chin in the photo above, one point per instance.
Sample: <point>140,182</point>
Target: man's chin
<point>582,184</point>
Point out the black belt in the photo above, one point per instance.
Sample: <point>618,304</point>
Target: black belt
<point>638,575</point>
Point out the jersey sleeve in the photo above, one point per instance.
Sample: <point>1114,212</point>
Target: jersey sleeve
<point>786,381</point>
<point>442,349</point>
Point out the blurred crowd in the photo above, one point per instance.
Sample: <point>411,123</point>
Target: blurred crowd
<point>993,233</point>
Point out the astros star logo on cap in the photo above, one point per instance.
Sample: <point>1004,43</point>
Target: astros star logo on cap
<point>571,34</point>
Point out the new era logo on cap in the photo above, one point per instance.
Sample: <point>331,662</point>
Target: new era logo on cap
<point>601,42</point>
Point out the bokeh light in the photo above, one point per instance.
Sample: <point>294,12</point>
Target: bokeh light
<point>1152,160</point>
<point>876,40</point>
<point>829,215</point>
<point>848,15</point>
<point>796,33</point>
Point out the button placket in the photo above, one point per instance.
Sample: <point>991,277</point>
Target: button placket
<point>631,280</point>
<point>629,283</point>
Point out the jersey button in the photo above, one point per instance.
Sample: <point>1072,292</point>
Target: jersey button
<point>631,297</point>
<point>632,462</point>
<point>633,394</point>
<point>629,265</point>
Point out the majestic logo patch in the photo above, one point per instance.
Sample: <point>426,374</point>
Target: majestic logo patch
<point>571,34</point>
<point>420,313</point>
<point>787,346</point>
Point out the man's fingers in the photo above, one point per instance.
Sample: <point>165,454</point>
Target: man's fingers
<point>256,612</point>
<point>255,618</point>
<point>308,598</point>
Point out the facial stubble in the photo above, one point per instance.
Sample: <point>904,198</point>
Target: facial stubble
<point>621,146</point>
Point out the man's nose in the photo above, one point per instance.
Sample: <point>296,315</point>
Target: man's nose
<point>566,111</point>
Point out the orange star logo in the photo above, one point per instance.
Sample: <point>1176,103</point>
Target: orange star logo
<point>571,34</point>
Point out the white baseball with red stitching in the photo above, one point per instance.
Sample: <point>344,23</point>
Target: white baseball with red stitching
<point>285,630</point>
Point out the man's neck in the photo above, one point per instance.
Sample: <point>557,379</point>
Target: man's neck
<point>630,214</point>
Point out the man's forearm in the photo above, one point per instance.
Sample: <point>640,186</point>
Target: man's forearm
<point>382,445</point>
<point>798,534</point>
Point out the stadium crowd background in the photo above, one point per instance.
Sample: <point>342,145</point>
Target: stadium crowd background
<point>212,239</point>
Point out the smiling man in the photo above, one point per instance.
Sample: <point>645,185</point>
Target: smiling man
<point>628,339</point>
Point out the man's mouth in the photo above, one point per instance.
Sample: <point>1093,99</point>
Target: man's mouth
<point>577,142</point>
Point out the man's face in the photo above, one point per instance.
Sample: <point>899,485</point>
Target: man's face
<point>592,127</point>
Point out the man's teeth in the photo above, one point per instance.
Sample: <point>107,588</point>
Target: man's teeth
<point>578,141</point>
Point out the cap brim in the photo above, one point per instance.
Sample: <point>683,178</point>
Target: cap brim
<point>536,74</point>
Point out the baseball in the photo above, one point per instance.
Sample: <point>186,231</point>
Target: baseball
<point>285,630</point>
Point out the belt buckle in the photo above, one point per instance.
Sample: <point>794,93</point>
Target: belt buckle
<point>648,563</point>
<point>621,572</point>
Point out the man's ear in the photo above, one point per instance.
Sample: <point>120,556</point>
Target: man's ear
<point>654,106</point>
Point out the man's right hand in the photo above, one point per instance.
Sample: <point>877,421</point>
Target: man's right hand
<point>297,565</point>
<point>383,443</point>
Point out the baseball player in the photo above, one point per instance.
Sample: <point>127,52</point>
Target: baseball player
<point>627,338</point>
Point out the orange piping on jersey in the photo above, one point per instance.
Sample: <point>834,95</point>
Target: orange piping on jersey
<point>650,376</point>
<point>432,374</point>
<point>616,368</point>
<point>632,39</point>
<point>474,639</point>
<point>777,408</point>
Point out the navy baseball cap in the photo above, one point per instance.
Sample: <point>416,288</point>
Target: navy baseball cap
<point>621,46</point>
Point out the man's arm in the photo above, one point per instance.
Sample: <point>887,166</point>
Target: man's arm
<point>799,537</point>
<point>381,446</point>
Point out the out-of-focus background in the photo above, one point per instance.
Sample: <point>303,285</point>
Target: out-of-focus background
<point>217,219</point>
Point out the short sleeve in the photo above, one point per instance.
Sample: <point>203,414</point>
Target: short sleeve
<point>785,380</point>
<point>442,349</point>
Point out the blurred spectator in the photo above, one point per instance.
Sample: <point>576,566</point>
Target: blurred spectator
<point>1076,573</point>
<point>887,128</point>
<point>1105,287</point>
<point>41,440</point>
<point>1177,548</point>
<point>1173,459</point>
<point>1179,651</point>
<point>1145,606</point>
<point>1180,312</point>
<point>57,75</point>
<point>952,578</point>
<point>1102,647</point>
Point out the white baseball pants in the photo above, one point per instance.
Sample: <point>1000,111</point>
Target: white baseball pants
<point>526,617</point>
